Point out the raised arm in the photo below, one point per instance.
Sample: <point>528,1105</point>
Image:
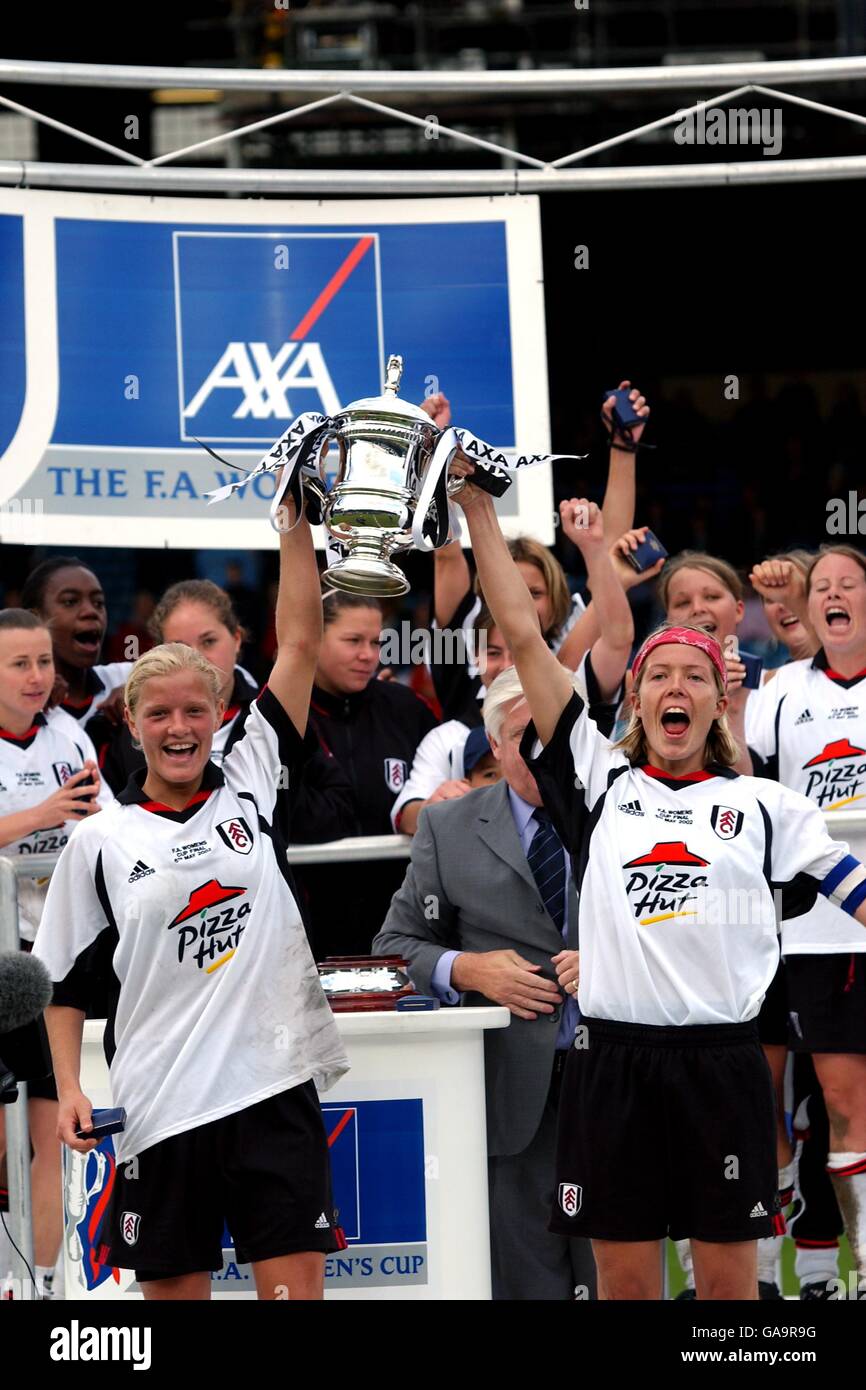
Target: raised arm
<point>298,619</point>
<point>546,682</point>
<point>619,496</point>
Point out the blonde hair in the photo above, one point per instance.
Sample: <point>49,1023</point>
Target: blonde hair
<point>721,746</point>
<point>170,659</point>
<point>699,560</point>
<point>525,550</point>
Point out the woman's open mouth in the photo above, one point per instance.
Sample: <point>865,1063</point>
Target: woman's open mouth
<point>88,641</point>
<point>837,619</point>
<point>178,752</point>
<point>676,722</point>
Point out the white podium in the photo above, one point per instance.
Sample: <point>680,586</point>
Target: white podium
<point>407,1136</point>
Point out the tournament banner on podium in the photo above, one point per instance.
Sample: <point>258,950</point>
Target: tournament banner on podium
<point>134,331</point>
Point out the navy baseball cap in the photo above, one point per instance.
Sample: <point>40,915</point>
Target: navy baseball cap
<point>475,748</point>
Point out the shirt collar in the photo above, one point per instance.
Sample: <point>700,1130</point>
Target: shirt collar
<point>821,663</point>
<point>134,795</point>
<point>39,721</point>
<point>520,810</point>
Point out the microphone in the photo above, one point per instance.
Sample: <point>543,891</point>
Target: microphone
<point>25,990</point>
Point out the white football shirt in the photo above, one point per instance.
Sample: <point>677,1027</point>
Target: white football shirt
<point>676,877</point>
<point>32,766</point>
<point>806,728</point>
<point>219,1003</point>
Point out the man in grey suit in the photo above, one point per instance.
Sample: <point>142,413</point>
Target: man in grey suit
<point>486,906</point>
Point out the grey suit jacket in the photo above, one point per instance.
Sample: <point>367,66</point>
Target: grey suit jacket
<point>469,887</point>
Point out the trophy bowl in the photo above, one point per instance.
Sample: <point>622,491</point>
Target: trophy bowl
<point>385,446</point>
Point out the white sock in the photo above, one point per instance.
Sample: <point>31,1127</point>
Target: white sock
<point>848,1176</point>
<point>817,1266</point>
<point>684,1255</point>
<point>44,1280</point>
<point>788,1176</point>
<point>769,1251</point>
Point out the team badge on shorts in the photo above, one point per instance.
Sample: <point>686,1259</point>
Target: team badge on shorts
<point>570,1198</point>
<point>726,822</point>
<point>395,773</point>
<point>129,1224</point>
<point>63,772</point>
<point>236,834</point>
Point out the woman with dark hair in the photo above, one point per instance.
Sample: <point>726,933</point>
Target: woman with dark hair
<point>372,728</point>
<point>48,782</point>
<point>70,600</point>
<point>665,839</point>
<point>807,729</point>
<point>318,804</point>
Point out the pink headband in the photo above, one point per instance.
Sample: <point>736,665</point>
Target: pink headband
<point>685,637</point>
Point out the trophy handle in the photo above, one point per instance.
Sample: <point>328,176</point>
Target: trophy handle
<point>326,444</point>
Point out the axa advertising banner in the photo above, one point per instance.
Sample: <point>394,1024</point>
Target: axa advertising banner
<point>133,328</point>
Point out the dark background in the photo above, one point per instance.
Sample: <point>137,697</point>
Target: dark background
<point>685,287</point>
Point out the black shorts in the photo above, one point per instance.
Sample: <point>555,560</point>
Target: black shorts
<point>773,1018</point>
<point>265,1170</point>
<point>827,1002</point>
<point>666,1132</point>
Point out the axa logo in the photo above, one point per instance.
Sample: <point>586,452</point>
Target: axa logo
<point>663,883</point>
<point>210,924</point>
<point>260,382</point>
<point>263,321</point>
<point>836,776</point>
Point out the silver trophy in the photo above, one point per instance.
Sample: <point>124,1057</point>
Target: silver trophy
<point>386,448</point>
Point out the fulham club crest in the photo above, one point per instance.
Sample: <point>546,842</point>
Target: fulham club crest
<point>570,1198</point>
<point>395,773</point>
<point>726,822</point>
<point>129,1224</point>
<point>63,772</point>
<point>236,834</point>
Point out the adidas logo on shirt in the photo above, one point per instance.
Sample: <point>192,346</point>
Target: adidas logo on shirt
<point>323,1224</point>
<point>804,718</point>
<point>140,871</point>
<point>758,1210</point>
<point>631,808</point>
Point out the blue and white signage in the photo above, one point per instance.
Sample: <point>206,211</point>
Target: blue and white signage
<point>133,328</point>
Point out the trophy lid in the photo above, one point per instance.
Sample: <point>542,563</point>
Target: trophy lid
<point>389,402</point>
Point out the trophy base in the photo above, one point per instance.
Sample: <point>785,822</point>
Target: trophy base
<point>366,574</point>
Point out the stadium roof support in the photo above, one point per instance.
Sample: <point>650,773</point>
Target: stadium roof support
<point>535,176</point>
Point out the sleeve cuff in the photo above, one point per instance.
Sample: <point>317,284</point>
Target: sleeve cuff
<point>440,981</point>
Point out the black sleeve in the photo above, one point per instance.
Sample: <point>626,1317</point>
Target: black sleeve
<point>290,743</point>
<point>602,712</point>
<point>319,805</point>
<point>553,770</point>
<point>456,690</point>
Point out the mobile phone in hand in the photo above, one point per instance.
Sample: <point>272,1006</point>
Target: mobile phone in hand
<point>649,551</point>
<point>86,787</point>
<point>625,417</point>
<point>754,670</point>
<point>105,1122</point>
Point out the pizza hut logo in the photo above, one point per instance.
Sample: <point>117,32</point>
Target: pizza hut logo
<point>395,773</point>
<point>236,834</point>
<point>63,772</point>
<point>129,1224</point>
<point>726,821</point>
<point>663,882</point>
<point>570,1198</point>
<point>837,775</point>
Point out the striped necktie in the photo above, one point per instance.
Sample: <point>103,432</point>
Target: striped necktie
<point>546,859</point>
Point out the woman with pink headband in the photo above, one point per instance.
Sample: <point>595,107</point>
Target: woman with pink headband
<point>677,859</point>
